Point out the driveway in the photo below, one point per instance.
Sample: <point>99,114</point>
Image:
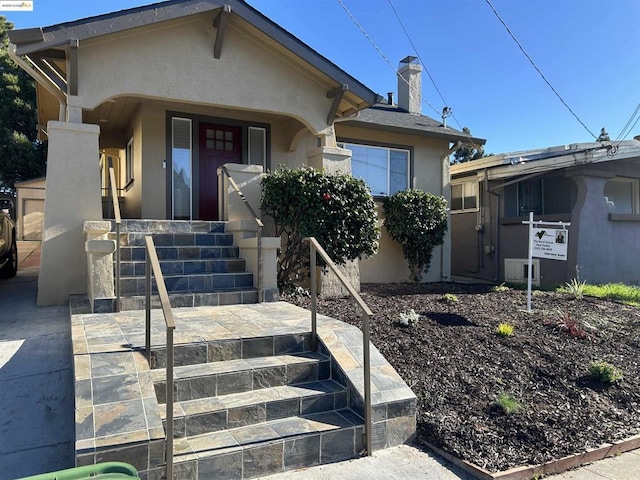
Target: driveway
<point>36,378</point>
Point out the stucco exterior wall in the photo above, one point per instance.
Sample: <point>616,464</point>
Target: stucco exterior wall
<point>152,153</point>
<point>174,60</point>
<point>389,265</point>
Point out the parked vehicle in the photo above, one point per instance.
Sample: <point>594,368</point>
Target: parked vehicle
<point>8,246</point>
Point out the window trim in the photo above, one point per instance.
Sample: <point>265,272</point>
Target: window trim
<point>635,193</point>
<point>477,195</point>
<point>129,163</point>
<point>343,143</point>
<point>264,145</point>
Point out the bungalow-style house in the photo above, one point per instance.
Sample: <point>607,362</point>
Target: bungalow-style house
<point>594,186</point>
<point>171,91</point>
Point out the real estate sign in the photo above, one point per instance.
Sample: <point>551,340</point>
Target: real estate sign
<point>549,243</point>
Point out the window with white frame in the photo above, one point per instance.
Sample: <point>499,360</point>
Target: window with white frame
<point>621,195</point>
<point>464,196</point>
<point>257,151</point>
<point>129,162</point>
<point>384,169</point>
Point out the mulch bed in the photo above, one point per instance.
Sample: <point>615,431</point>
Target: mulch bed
<point>457,366</point>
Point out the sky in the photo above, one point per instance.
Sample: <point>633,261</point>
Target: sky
<point>587,50</point>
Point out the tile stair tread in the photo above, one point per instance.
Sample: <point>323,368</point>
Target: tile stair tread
<point>237,400</point>
<point>171,275</point>
<point>234,366</point>
<point>218,442</point>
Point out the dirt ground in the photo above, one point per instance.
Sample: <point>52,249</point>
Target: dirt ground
<point>458,366</point>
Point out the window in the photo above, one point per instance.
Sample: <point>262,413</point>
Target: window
<point>385,170</point>
<point>464,196</point>
<point>181,165</point>
<point>621,195</point>
<point>530,197</point>
<point>129,162</point>
<point>257,151</point>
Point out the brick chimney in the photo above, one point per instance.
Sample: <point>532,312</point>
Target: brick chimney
<point>410,85</point>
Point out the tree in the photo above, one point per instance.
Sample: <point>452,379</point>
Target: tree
<point>466,152</point>
<point>417,220</point>
<point>337,209</point>
<point>22,156</point>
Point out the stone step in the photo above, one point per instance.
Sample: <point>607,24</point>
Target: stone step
<point>231,296</point>
<point>176,239</point>
<point>203,415</point>
<point>272,447</point>
<point>200,380</point>
<point>169,226</point>
<point>138,253</point>
<point>185,267</point>
<point>193,283</point>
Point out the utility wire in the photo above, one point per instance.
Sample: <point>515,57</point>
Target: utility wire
<point>380,51</point>
<point>537,69</point>
<point>624,132</point>
<point>415,49</point>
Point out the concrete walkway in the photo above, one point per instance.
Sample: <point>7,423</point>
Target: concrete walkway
<point>36,403</point>
<point>36,380</point>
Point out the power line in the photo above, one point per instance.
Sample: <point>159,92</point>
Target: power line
<point>624,132</point>
<point>380,51</point>
<point>415,49</point>
<point>537,69</point>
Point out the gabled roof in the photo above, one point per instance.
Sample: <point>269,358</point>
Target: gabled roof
<point>33,40</point>
<point>394,119</point>
<point>513,164</point>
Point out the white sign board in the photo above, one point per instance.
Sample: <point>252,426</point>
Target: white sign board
<point>549,243</point>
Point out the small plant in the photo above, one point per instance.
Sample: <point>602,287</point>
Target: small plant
<point>500,288</point>
<point>565,323</point>
<point>508,404</point>
<point>504,330</point>
<point>410,318</point>
<point>449,298</point>
<point>604,372</point>
<point>575,288</point>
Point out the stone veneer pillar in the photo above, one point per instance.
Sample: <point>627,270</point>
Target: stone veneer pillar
<point>334,160</point>
<point>73,195</point>
<point>99,249</point>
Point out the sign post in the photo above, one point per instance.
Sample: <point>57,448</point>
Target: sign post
<point>546,240</point>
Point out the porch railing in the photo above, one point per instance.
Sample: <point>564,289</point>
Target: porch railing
<point>118,221</point>
<point>316,248</point>
<point>259,223</point>
<point>153,265</point>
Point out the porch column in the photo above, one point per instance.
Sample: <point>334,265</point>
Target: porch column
<point>334,160</point>
<point>72,196</point>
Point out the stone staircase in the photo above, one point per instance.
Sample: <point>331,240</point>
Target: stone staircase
<point>199,262</point>
<point>251,398</point>
<point>269,406</point>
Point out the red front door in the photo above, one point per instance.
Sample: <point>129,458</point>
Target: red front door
<point>219,144</point>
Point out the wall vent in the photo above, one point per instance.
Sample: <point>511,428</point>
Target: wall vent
<point>515,270</point>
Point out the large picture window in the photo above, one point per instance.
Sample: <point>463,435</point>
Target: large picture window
<point>385,170</point>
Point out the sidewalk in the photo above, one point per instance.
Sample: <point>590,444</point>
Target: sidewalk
<point>37,427</point>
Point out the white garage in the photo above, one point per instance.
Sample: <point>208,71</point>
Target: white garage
<point>30,208</point>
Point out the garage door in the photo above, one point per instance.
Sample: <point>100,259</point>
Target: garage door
<point>33,220</point>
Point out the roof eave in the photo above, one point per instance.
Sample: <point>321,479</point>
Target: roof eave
<point>28,41</point>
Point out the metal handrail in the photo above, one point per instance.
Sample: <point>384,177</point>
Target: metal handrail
<point>153,265</point>
<point>258,221</point>
<point>315,247</point>
<point>118,220</point>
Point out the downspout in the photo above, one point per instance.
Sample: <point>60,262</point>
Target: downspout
<point>497,227</point>
<point>42,79</point>
<point>445,180</point>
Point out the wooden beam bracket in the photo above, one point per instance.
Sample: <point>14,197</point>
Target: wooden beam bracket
<point>220,23</point>
<point>337,94</point>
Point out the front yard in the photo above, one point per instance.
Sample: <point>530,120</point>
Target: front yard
<point>461,369</point>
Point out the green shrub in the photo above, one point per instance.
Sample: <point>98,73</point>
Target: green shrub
<point>410,318</point>
<point>417,220</point>
<point>508,404</point>
<point>500,288</point>
<point>337,209</point>
<point>575,288</point>
<point>604,372</point>
<point>504,330</point>
<point>449,298</point>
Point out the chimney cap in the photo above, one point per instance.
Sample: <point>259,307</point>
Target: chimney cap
<point>408,59</point>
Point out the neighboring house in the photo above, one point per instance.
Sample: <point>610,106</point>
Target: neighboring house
<point>594,186</point>
<point>171,91</point>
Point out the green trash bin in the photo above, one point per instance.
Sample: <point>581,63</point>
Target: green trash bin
<point>100,471</point>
